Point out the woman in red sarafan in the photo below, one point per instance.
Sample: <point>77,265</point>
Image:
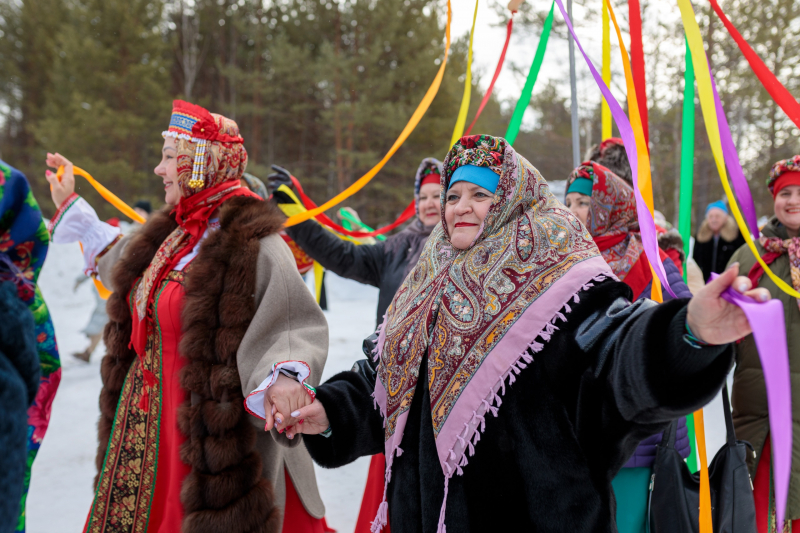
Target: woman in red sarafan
<point>194,329</point>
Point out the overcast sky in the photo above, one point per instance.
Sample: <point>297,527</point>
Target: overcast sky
<point>490,35</point>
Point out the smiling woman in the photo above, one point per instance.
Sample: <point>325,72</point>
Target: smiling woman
<point>467,202</point>
<point>168,170</point>
<point>193,323</point>
<point>528,287</point>
<point>779,247</point>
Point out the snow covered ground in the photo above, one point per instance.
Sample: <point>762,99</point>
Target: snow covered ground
<point>61,486</point>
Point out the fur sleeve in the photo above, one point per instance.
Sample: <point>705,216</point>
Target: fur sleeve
<point>288,324</point>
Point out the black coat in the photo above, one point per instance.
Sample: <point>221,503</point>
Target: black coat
<point>713,255</point>
<point>612,375</point>
<point>19,381</point>
<point>383,265</point>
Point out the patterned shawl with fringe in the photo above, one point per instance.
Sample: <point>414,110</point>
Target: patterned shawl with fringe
<point>614,225</point>
<point>475,313</point>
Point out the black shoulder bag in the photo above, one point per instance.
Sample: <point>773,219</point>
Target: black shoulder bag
<point>674,502</point>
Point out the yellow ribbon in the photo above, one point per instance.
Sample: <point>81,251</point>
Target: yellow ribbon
<point>297,207</point>
<point>109,196</point>
<point>318,272</point>
<point>412,123</point>
<point>461,121</point>
<point>606,112</point>
<point>706,94</point>
<point>644,179</point>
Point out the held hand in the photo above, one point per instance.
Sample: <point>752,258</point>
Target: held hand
<point>714,320</point>
<point>60,190</point>
<point>285,396</point>
<point>315,420</point>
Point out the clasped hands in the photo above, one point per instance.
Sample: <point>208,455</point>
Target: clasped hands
<point>712,319</point>
<point>288,407</point>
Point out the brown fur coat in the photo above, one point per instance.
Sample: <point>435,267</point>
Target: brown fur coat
<point>225,490</point>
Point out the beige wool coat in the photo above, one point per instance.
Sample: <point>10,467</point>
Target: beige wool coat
<point>288,326</point>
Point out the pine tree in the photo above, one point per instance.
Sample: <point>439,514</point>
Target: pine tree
<point>109,98</point>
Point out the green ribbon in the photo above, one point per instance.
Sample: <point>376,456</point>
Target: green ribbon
<point>527,90</point>
<point>685,214</point>
<point>351,223</point>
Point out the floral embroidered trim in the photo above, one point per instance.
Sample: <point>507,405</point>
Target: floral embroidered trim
<point>62,210</point>
<point>93,271</point>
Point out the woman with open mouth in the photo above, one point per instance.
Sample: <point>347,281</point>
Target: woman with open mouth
<point>515,377</point>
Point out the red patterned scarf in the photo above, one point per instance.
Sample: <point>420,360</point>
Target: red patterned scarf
<point>211,160</point>
<point>614,225</point>
<point>775,248</point>
<point>475,314</point>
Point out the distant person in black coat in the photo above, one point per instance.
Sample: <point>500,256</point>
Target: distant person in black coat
<point>386,264</point>
<point>717,240</point>
<point>19,381</point>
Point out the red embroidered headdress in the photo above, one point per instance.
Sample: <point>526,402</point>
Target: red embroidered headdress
<point>190,122</point>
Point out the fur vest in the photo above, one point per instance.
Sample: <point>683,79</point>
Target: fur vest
<point>224,490</point>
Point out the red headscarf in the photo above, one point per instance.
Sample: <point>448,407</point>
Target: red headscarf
<point>211,160</point>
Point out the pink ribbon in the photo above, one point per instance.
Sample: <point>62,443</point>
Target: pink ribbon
<point>769,332</point>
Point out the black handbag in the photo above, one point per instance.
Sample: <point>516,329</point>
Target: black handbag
<point>674,500</point>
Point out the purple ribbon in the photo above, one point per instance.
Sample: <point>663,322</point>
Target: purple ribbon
<point>729,153</point>
<point>769,332</point>
<point>766,319</point>
<point>647,226</point>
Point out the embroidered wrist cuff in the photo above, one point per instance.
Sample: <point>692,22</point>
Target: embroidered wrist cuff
<point>62,209</point>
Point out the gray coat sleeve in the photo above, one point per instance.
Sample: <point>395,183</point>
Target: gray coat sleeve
<point>288,324</point>
<point>105,264</point>
<point>364,263</point>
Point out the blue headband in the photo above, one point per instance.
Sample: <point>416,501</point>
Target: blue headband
<point>481,176</point>
<point>581,185</point>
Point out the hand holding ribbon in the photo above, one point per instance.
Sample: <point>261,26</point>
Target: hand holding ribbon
<point>766,320</point>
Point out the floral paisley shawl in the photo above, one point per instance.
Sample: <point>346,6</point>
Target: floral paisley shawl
<point>23,247</point>
<point>474,314</point>
<point>613,222</point>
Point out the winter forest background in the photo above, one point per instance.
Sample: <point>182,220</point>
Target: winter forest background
<point>324,87</point>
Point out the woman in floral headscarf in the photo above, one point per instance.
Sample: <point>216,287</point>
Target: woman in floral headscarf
<point>605,203</point>
<point>511,298</point>
<point>779,247</point>
<point>207,308</point>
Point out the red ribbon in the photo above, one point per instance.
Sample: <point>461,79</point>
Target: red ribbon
<point>496,73</point>
<point>757,270</point>
<point>637,64</point>
<point>407,213</point>
<point>776,90</point>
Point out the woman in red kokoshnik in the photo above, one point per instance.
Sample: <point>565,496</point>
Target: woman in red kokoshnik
<point>208,309</point>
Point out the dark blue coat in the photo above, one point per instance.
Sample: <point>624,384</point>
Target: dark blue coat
<point>19,381</point>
